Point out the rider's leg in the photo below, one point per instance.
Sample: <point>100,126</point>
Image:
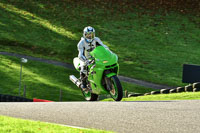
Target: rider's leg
<point>83,72</point>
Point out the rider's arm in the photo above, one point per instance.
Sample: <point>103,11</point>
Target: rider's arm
<point>101,43</point>
<point>81,52</point>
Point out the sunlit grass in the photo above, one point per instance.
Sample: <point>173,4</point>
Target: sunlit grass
<point>42,80</point>
<point>35,19</point>
<point>16,125</point>
<point>2,24</point>
<point>132,88</point>
<point>164,97</point>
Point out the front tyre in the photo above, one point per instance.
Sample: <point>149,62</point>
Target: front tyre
<point>116,90</point>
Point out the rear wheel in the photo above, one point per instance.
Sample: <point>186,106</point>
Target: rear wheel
<point>115,88</point>
<point>89,96</point>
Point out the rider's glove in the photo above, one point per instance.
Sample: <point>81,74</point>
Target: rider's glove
<point>87,62</point>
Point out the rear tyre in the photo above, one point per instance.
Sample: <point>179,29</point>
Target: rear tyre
<point>89,96</point>
<point>116,90</point>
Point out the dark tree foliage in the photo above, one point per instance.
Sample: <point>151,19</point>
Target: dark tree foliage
<point>182,6</point>
<point>150,6</point>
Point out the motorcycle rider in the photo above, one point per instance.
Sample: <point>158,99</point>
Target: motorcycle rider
<point>87,43</point>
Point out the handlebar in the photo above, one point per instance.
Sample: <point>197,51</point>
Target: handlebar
<point>91,62</point>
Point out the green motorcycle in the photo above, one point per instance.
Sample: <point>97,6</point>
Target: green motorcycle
<point>101,75</point>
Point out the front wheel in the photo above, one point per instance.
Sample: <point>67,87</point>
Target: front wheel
<point>116,90</point>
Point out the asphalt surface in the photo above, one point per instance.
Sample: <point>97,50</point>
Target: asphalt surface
<point>122,117</point>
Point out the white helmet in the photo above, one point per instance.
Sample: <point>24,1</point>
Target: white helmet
<point>89,34</point>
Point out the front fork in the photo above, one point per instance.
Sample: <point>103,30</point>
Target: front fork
<point>107,83</point>
<point>108,80</point>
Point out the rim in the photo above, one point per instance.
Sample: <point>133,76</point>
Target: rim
<point>87,94</point>
<point>114,91</point>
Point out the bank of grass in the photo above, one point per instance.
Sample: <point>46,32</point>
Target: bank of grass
<point>15,125</point>
<point>164,97</point>
<point>133,88</point>
<point>44,81</point>
<point>150,47</point>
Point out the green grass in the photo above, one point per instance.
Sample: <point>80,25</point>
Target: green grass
<point>15,125</point>
<point>136,88</point>
<point>164,97</point>
<point>42,80</point>
<point>151,47</point>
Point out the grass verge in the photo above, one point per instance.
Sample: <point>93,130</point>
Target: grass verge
<point>164,97</point>
<point>136,88</point>
<point>42,80</point>
<point>15,125</point>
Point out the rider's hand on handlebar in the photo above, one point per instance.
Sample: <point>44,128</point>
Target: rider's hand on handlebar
<point>88,62</point>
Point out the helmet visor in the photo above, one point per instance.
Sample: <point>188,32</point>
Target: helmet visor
<point>90,35</point>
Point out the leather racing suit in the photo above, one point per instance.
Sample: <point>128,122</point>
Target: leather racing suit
<point>85,48</point>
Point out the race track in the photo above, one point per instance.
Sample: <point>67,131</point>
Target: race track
<point>122,117</point>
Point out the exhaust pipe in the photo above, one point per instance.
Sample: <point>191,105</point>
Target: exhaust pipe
<point>75,80</point>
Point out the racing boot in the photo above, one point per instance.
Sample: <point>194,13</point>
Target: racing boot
<point>83,81</point>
